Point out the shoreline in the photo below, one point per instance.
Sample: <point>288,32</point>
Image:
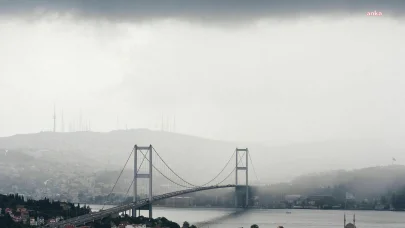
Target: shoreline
<point>253,208</point>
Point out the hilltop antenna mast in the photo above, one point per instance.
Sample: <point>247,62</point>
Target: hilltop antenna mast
<point>162,128</point>
<point>167,124</point>
<point>174,123</point>
<point>63,123</point>
<point>80,121</point>
<point>54,118</point>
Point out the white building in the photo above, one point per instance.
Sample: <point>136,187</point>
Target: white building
<point>136,226</point>
<point>33,222</point>
<point>140,226</point>
<point>40,221</point>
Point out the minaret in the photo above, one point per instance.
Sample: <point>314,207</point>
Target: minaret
<point>344,221</point>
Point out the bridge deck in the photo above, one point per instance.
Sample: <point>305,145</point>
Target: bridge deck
<point>80,220</point>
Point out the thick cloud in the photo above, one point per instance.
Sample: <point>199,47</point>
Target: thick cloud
<point>203,10</point>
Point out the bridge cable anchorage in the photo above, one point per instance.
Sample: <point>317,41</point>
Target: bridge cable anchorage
<point>254,171</point>
<point>129,157</point>
<point>232,170</point>
<point>230,159</point>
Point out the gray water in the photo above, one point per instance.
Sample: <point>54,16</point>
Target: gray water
<point>274,218</point>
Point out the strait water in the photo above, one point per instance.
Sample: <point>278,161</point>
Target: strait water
<point>273,218</point>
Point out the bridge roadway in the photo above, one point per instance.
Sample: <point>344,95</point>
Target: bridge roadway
<point>83,219</point>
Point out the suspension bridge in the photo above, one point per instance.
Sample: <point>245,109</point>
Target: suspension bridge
<point>145,192</point>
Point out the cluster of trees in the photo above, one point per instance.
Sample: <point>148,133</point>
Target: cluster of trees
<point>187,225</point>
<point>7,222</point>
<point>161,221</point>
<point>45,208</point>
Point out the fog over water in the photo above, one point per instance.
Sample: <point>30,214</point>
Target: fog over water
<point>245,71</point>
<point>206,217</point>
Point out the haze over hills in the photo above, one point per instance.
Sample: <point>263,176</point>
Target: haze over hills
<point>199,157</point>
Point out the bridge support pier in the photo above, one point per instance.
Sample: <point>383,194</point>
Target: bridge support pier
<point>142,175</point>
<point>242,167</point>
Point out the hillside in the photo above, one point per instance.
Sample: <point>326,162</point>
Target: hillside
<point>273,164</point>
<point>65,164</point>
<point>370,183</point>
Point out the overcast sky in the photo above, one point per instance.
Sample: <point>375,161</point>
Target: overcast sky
<point>235,70</point>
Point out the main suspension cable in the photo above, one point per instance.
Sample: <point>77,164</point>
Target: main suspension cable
<point>254,171</point>
<point>232,170</point>
<point>173,170</point>
<point>118,178</point>
<point>165,175</point>
<point>230,159</point>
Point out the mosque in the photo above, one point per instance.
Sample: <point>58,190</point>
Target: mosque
<point>350,225</point>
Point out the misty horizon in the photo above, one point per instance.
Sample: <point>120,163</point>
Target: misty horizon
<point>330,73</point>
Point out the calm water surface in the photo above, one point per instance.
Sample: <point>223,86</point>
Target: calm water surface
<point>274,218</point>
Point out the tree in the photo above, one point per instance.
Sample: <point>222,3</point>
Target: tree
<point>186,225</point>
<point>254,226</point>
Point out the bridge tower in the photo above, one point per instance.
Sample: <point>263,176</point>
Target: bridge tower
<point>245,154</point>
<point>140,175</point>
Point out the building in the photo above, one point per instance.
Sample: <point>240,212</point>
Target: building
<point>292,198</point>
<point>136,226</point>
<point>25,216</point>
<point>41,220</point>
<point>51,221</point>
<point>58,218</point>
<point>123,224</point>
<point>16,218</point>
<point>139,226</point>
<point>69,226</point>
<point>313,200</point>
<point>33,222</point>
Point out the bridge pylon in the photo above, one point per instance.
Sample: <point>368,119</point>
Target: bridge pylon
<point>139,175</point>
<point>241,167</point>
